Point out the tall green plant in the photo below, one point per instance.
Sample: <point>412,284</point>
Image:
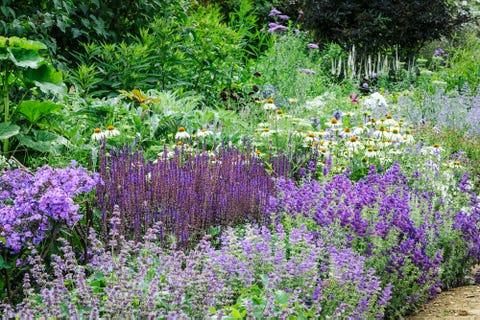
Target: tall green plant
<point>24,69</point>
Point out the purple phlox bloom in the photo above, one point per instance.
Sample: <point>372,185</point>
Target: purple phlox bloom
<point>276,27</point>
<point>440,53</point>
<point>274,12</point>
<point>313,46</point>
<point>365,85</point>
<point>283,17</point>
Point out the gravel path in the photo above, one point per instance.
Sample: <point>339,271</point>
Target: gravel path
<point>462,303</point>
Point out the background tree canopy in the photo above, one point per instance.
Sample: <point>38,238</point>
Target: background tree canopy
<point>377,25</point>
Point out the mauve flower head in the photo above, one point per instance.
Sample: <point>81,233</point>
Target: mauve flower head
<point>313,46</point>
<point>274,12</point>
<point>283,17</point>
<point>274,27</point>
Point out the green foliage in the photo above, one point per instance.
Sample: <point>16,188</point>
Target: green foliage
<point>289,69</point>
<point>63,24</point>
<point>25,69</point>
<point>194,52</point>
<point>463,65</point>
<point>379,25</point>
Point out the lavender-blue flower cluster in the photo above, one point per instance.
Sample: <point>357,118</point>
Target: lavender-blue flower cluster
<point>31,205</point>
<point>397,228</point>
<point>267,274</point>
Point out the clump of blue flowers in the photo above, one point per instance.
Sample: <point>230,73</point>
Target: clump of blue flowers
<point>34,204</point>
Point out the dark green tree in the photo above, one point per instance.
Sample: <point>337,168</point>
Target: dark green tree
<point>376,25</point>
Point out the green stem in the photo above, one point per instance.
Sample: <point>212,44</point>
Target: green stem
<point>6,105</point>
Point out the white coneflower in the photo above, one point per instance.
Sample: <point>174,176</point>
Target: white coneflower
<point>204,133</point>
<point>380,133</point>
<point>395,135</point>
<point>347,132</point>
<point>98,134</point>
<point>356,131</point>
<point>322,133</point>
<point>111,132</point>
<point>269,106</point>
<point>324,151</point>
<point>371,123</point>
<point>353,145</point>
<point>181,134</point>
<point>408,137</point>
<point>266,132</point>
<point>334,123</point>
<point>389,121</point>
<point>372,152</point>
<point>310,137</point>
<point>385,143</point>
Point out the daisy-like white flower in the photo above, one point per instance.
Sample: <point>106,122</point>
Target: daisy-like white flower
<point>181,134</point>
<point>408,137</point>
<point>204,133</point>
<point>347,132</point>
<point>98,134</point>
<point>353,145</point>
<point>372,152</point>
<point>310,137</point>
<point>389,121</point>
<point>396,135</point>
<point>380,133</point>
<point>356,131</point>
<point>334,123</point>
<point>266,132</point>
<point>111,132</point>
<point>269,106</point>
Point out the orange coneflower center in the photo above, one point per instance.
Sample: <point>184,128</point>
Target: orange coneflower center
<point>334,121</point>
<point>110,128</point>
<point>353,139</point>
<point>97,130</point>
<point>181,129</point>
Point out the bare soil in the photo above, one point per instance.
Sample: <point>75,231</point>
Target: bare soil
<point>462,303</point>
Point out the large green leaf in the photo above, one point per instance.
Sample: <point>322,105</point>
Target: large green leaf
<point>25,58</point>
<point>22,52</point>
<point>8,130</point>
<point>46,78</point>
<point>44,141</point>
<point>35,110</point>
